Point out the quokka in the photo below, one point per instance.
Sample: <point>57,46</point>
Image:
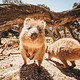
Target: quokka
<point>65,49</point>
<point>32,40</point>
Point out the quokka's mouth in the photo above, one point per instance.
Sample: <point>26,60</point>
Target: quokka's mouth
<point>34,36</point>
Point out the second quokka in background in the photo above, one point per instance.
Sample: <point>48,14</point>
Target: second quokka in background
<point>32,40</point>
<point>65,49</point>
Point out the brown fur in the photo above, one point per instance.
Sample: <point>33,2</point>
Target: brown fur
<point>32,40</point>
<point>65,49</point>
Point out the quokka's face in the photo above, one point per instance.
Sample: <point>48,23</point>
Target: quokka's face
<point>33,31</point>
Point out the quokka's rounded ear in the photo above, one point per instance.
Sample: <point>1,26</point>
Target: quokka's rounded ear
<point>27,20</point>
<point>43,23</point>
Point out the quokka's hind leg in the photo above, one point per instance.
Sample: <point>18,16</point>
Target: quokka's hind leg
<point>24,58</point>
<point>73,64</point>
<point>39,64</point>
<point>40,61</point>
<point>40,56</point>
<point>64,63</point>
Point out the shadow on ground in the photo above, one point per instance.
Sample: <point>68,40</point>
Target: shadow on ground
<point>71,72</point>
<point>31,72</point>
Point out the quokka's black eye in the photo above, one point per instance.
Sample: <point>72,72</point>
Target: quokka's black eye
<point>40,31</point>
<point>29,28</point>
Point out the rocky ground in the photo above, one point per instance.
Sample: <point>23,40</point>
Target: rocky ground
<point>11,67</point>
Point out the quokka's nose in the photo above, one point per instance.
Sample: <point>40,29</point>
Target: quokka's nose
<point>34,36</point>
